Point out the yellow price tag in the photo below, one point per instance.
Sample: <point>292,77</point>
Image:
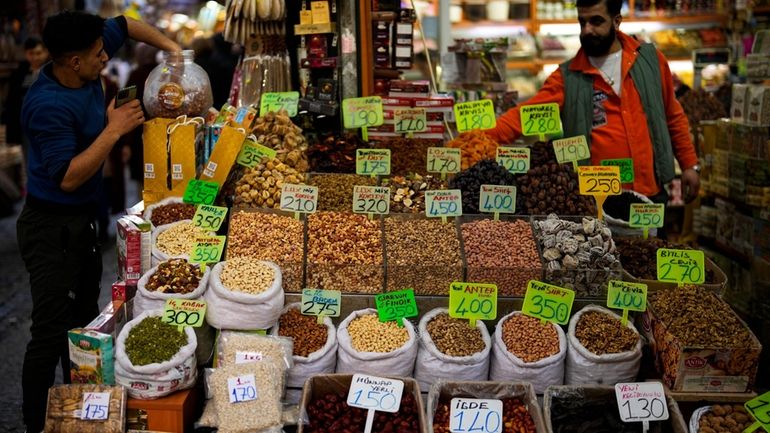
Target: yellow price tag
<point>626,296</point>
<point>184,312</point>
<point>497,199</point>
<point>514,159</point>
<point>473,301</point>
<point>362,112</point>
<point>277,101</point>
<point>475,115</point>
<point>540,120</point>
<point>410,120</point>
<point>372,162</point>
<point>444,160</point>
<point>207,249</point>
<point>548,303</point>
<point>571,149</point>
<point>681,266</point>
<point>759,408</point>
<point>371,199</point>
<point>209,218</point>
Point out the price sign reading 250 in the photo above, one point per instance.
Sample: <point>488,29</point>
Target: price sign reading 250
<point>547,302</point>
<point>599,180</point>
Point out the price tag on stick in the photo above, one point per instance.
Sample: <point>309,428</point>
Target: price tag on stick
<point>548,303</point>
<point>362,113</point>
<point>475,115</point>
<point>626,296</point>
<point>473,301</point>
<point>299,198</point>
<point>252,154</point>
<point>626,166</point>
<point>371,200</point>
<point>321,303</point>
<point>599,182</point>
<point>242,388</point>
<point>396,306</point>
<point>373,162</point>
<point>209,218</point>
<point>475,415</point>
<point>641,402</point>
<point>759,408</point>
<point>207,249</point>
<point>375,394</point>
<point>572,150</point>
<point>184,312</point>
<point>444,160</point>
<point>200,192</point>
<point>646,216</point>
<point>277,101</point>
<point>410,120</point>
<point>497,199</point>
<point>443,203</point>
<point>514,159</point>
<point>96,406</point>
<point>681,266</point>
<point>540,120</point>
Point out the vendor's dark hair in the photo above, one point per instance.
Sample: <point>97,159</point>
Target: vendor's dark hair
<point>613,6</point>
<point>32,43</point>
<point>69,32</point>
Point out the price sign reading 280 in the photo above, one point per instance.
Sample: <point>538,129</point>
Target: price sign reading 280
<point>475,115</point>
<point>299,198</point>
<point>541,119</point>
<point>548,302</point>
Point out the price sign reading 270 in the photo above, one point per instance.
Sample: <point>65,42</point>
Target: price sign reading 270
<point>681,266</point>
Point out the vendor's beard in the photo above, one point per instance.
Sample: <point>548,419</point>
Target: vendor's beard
<point>598,46</point>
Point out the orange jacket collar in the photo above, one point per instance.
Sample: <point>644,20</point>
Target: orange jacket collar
<point>628,44</point>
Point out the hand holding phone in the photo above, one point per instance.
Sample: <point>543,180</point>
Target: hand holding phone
<point>125,94</point>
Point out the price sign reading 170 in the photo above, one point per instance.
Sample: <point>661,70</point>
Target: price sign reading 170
<point>444,160</point>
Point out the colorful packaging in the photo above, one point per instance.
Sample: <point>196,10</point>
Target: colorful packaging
<point>134,244</point>
<point>91,357</point>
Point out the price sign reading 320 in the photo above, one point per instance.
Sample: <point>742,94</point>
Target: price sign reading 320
<point>371,199</point>
<point>547,302</point>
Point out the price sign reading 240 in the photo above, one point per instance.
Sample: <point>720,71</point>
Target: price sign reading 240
<point>547,302</point>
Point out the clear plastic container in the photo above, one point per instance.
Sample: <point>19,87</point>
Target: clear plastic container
<point>177,87</point>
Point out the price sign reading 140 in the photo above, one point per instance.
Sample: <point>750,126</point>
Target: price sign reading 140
<point>514,159</point>
<point>468,415</point>
<point>371,199</point>
<point>681,266</point>
<point>443,203</point>
<point>299,198</point>
<point>184,312</point>
<point>759,408</point>
<point>497,199</point>
<point>371,162</point>
<point>475,115</point>
<point>209,218</point>
<point>207,249</point>
<point>547,302</point>
<point>641,402</point>
<point>444,160</point>
<point>540,120</point>
<point>473,301</point>
<point>317,302</point>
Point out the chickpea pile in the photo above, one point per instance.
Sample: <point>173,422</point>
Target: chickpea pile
<point>177,240</point>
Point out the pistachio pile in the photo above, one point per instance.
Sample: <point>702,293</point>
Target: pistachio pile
<point>152,341</point>
<point>175,276</point>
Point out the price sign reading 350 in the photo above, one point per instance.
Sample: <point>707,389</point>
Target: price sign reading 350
<point>467,415</point>
<point>208,217</point>
<point>681,266</point>
<point>548,302</point>
<point>475,115</point>
<point>207,249</point>
<point>299,198</point>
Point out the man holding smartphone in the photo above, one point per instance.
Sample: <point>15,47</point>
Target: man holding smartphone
<point>70,137</point>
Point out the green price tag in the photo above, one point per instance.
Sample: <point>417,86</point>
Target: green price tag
<point>321,303</point>
<point>362,112</point>
<point>645,215</point>
<point>299,198</point>
<point>277,101</point>
<point>396,306</point>
<point>626,296</point>
<point>443,203</point>
<point>209,218</point>
<point>497,199</point>
<point>371,199</point>
<point>252,154</point>
<point>207,249</point>
<point>372,162</point>
<point>444,160</point>
<point>410,120</point>
<point>681,266</point>
<point>759,408</point>
<point>184,312</point>
<point>473,301</point>
<point>200,192</point>
<point>540,120</point>
<point>514,159</point>
<point>475,115</point>
<point>548,303</point>
<point>571,149</point>
<point>626,168</point>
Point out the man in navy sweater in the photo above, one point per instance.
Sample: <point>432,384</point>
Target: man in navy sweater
<point>70,134</point>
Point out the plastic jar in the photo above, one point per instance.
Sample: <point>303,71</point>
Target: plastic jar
<point>177,86</point>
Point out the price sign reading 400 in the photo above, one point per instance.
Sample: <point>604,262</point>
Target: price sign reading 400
<point>473,301</point>
<point>200,192</point>
<point>371,162</point>
<point>540,120</point>
<point>443,203</point>
<point>626,296</point>
<point>371,199</point>
<point>475,115</point>
<point>497,199</point>
<point>514,159</point>
<point>681,266</point>
<point>547,302</point>
<point>299,198</point>
<point>362,112</point>
<point>444,160</point>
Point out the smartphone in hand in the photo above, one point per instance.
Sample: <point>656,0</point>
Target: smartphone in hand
<point>125,94</point>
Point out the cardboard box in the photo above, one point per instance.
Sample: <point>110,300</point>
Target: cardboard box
<point>320,385</point>
<point>122,291</point>
<point>134,245</point>
<point>91,357</point>
<point>486,390</point>
<point>108,319</point>
<point>174,413</point>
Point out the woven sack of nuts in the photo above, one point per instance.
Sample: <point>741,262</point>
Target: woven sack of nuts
<point>147,215</point>
<point>229,309</point>
<point>507,367</point>
<point>158,255</point>
<point>322,361</point>
<point>432,364</point>
<point>621,228</point>
<point>155,380</point>
<point>146,300</point>
<point>398,362</point>
<point>586,367</point>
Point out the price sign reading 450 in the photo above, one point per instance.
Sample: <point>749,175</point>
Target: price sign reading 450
<point>371,199</point>
<point>443,203</point>
<point>444,160</point>
<point>96,406</point>
<point>371,162</point>
<point>548,303</point>
<point>626,296</point>
<point>468,415</point>
<point>473,301</point>
<point>497,199</point>
<point>759,408</point>
<point>184,312</point>
<point>316,302</point>
<point>207,249</point>
<point>681,266</point>
<point>242,388</point>
<point>200,192</point>
<point>299,198</point>
<point>208,217</point>
<point>514,159</point>
<point>396,306</point>
<point>475,115</point>
<point>641,402</point>
<point>540,120</point>
<point>375,393</point>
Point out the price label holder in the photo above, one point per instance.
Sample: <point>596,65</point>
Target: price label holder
<point>277,101</point>
<point>641,402</point>
<point>626,166</point>
<point>681,266</point>
<point>207,249</point>
<point>646,216</point>
<point>626,296</point>
<point>362,113</point>
<point>299,198</point>
<point>410,120</point>
<point>242,388</point>
<point>200,192</point>
<point>475,115</point>
<point>96,406</point>
<point>497,199</point>
<point>184,312</point>
<point>375,394</point>
<point>473,301</point>
<point>475,415</point>
<point>599,182</point>
<point>253,153</point>
<point>514,159</point>
<point>443,203</point>
<point>321,303</point>
<point>371,200</point>
<point>540,120</point>
<point>548,303</point>
<point>396,305</point>
<point>572,149</point>
<point>209,218</point>
<point>444,160</point>
<point>373,162</point>
<point>759,409</point>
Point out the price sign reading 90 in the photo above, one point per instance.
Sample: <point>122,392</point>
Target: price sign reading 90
<point>371,199</point>
<point>362,112</point>
<point>547,302</point>
<point>443,203</point>
<point>444,160</point>
<point>599,180</point>
<point>475,115</point>
<point>541,119</point>
<point>514,159</point>
<point>299,198</point>
<point>681,266</point>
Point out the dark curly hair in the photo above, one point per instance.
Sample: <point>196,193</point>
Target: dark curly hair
<point>70,32</point>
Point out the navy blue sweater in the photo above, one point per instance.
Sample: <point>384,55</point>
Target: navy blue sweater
<point>60,123</point>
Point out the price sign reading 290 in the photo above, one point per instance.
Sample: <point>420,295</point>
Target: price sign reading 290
<point>548,302</point>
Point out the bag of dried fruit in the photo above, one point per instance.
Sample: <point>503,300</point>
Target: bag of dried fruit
<point>173,278</point>
<point>368,346</point>
<point>153,359</point>
<point>450,349</point>
<point>600,350</point>
<point>174,240</point>
<point>244,294</point>
<point>169,210</point>
<point>524,350</point>
<point>315,347</point>
<point>616,213</point>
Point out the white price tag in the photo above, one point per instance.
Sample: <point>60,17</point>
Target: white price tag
<point>641,402</point>
<point>376,393</point>
<point>242,388</point>
<point>96,406</point>
<point>247,357</point>
<point>475,415</point>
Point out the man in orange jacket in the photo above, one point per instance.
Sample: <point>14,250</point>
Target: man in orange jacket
<point>620,95</point>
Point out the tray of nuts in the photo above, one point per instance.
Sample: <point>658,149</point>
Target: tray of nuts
<point>169,210</point>
<point>407,193</point>
<point>65,403</point>
<point>323,408</point>
<point>335,191</point>
<point>521,412</point>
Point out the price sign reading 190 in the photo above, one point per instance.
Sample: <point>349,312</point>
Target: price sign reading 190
<point>547,302</point>
<point>444,160</point>
<point>362,112</point>
<point>571,149</point>
<point>475,115</point>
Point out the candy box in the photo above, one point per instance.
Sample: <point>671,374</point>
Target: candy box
<point>91,357</point>
<point>134,244</point>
